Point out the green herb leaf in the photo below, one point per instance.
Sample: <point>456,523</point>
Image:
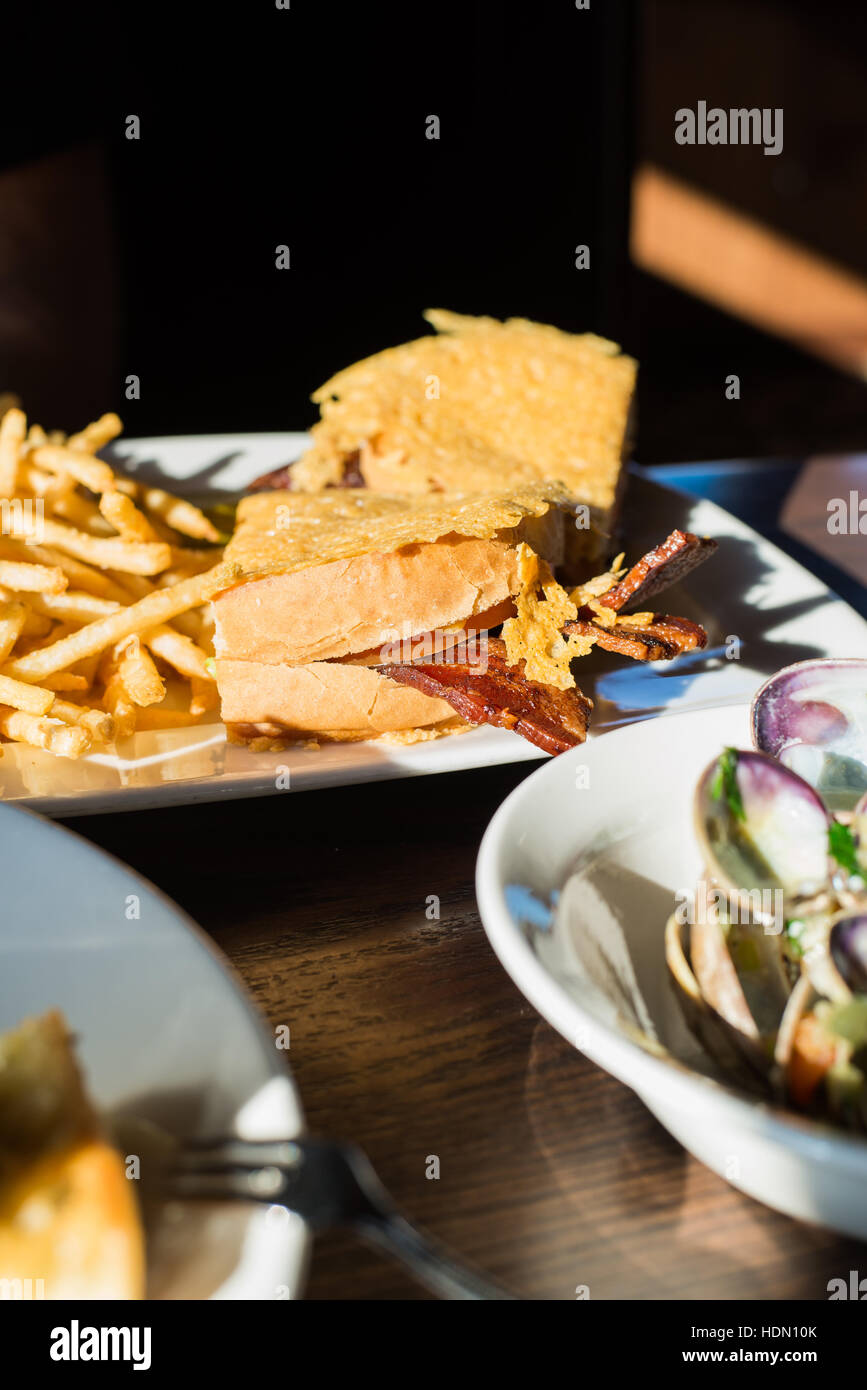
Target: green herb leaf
<point>842,846</point>
<point>795,928</point>
<point>725,783</point>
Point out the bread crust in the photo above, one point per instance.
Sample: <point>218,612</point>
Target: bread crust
<point>328,699</point>
<point>348,606</point>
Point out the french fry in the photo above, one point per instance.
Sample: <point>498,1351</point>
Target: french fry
<point>96,593</point>
<point>96,435</point>
<point>81,512</point>
<point>39,579</point>
<point>133,585</point>
<point>179,514</point>
<point>204,696</point>
<point>25,645</point>
<point>149,719</point>
<point>36,626</point>
<point>13,429</point>
<point>190,624</point>
<point>54,490</point>
<point>34,479</point>
<point>36,436</point>
<point>13,616</point>
<point>121,708</point>
<point>72,607</point>
<point>137,672</point>
<point>31,698</point>
<point>151,611</point>
<point>80,575</point>
<point>65,681</point>
<point>191,560</point>
<point>110,552</point>
<point>163,530</point>
<point>107,664</point>
<point>178,651</point>
<point>61,628</point>
<point>64,740</point>
<point>99,723</point>
<point>123,514</point>
<point>87,668</point>
<point>92,472</point>
<point>35,630</point>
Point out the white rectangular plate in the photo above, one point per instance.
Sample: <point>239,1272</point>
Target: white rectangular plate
<point>762,611</point>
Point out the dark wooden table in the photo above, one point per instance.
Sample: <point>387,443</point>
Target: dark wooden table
<point>407,1036</point>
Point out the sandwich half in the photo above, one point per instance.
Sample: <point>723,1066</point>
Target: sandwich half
<point>319,594</point>
<point>350,614</point>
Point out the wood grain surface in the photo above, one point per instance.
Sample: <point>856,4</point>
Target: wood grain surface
<point>408,1037</point>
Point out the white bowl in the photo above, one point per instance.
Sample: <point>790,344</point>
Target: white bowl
<point>620,807</point>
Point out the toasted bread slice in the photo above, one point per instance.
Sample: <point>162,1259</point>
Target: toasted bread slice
<point>314,577</point>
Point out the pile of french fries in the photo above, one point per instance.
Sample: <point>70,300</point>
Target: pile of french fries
<point>103,582</point>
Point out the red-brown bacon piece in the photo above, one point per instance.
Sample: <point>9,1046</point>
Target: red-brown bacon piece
<point>280,479</point>
<point>660,640</point>
<point>493,692</point>
<point>667,563</point>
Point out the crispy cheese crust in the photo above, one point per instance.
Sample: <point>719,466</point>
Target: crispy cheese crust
<point>281,532</point>
<point>477,403</point>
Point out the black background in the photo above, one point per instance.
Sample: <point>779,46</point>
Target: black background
<point>307,127</point>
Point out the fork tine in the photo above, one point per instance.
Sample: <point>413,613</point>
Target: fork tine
<point>219,1141</point>
<point>220,1183</point>
<point>202,1155</point>
<point>327,1184</point>
<point>213,1187</point>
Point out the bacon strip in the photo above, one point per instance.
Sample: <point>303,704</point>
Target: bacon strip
<point>500,694</point>
<point>437,646</point>
<point>280,479</point>
<point>666,564</point>
<point>661,640</point>
<point>352,474</point>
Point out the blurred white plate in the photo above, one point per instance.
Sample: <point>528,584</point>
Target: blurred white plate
<point>624,828</point>
<point>165,1035</point>
<point>752,598</point>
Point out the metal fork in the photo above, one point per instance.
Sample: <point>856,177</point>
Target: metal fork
<point>327,1184</point>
